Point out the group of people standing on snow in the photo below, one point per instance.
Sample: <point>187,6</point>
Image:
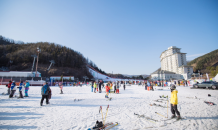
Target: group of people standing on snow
<point>96,86</point>
<point>12,89</point>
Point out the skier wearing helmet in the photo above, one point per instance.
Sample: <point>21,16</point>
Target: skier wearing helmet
<point>174,102</point>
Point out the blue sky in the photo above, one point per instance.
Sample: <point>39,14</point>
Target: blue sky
<point>123,36</point>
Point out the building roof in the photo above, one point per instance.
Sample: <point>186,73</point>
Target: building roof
<point>162,72</point>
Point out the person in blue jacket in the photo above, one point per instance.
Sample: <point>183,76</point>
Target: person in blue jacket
<point>44,91</point>
<point>26,88</point>
<point>20,89</point>
<point>13,89</point>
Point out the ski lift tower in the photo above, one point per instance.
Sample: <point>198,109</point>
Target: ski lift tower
<point>52,62</point>
<point>34,56</point>
<point>38,51</point>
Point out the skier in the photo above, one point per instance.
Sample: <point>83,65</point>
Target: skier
<point>20,89</point>
<point>148,84</point>
<point>13,89</point>
<point>9,87</point>
<point>102,84</point>
<point>115,88</point>
<point>95,86</point>
<point>152,86</point>
<point>124,85</point>
<point>61,87</point>
<point>107,88</point>
<point>174,102</point>
<point>26,88</point>
<point>44,91</point>
<point>118,86</point>
<point>92,84</point>
<point>99,85</point>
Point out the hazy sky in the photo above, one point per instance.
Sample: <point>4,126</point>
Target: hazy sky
<point>123,36</point>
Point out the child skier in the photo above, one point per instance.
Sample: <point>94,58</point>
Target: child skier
<point>13,89</point>
<point>174,102</point>
<point>61,88</point>
<point>107,87</point>
<point>20,89</point>
<point>26,88</point>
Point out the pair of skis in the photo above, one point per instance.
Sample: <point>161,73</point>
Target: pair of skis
<point>158,105</point>
<point>78,99</point>
<point>209,103</point>
<point>109,99</point>
<point>147,118</point>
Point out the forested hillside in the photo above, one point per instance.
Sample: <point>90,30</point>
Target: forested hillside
<point>207,63</point>
<point>67,60</point>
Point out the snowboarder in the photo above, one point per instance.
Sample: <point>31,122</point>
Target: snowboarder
<point>44,91</point>
<point>174,102</point>
<point>13,89</point>
<point>9,87</point>
<point>20,89</point>
<point>26,88</point>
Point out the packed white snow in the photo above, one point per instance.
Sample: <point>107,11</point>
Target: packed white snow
<point>63,113</point>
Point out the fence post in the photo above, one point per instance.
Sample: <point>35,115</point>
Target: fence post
<point>2,80</point>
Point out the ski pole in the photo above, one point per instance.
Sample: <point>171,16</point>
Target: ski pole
<point>167,106</point>
<point>106,114</point>
<point>102,115</point>
<point>160,114</point>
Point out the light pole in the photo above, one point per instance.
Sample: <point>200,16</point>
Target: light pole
<point>38,51</point>
<point>34,56</point>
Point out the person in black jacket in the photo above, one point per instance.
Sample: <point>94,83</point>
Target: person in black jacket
<point>124,85</point>
<point>99,86</point>
<point>44,91</point>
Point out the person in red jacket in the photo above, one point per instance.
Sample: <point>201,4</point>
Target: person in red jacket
<point>9,87</point>
<point>107,90</point>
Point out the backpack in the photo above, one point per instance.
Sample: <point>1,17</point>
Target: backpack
<point>98,124</point>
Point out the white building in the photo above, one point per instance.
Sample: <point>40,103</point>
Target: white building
<point>19,74</point>
<point>173,65</point>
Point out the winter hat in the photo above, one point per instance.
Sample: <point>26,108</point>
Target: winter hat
<point>172,86</point>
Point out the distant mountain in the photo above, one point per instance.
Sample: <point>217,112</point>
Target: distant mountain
<point>207,63</point>
<point>17,56</point>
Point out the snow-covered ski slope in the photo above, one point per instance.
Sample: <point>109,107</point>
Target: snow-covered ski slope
<point>98,76</point>
<point>65,114</point>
